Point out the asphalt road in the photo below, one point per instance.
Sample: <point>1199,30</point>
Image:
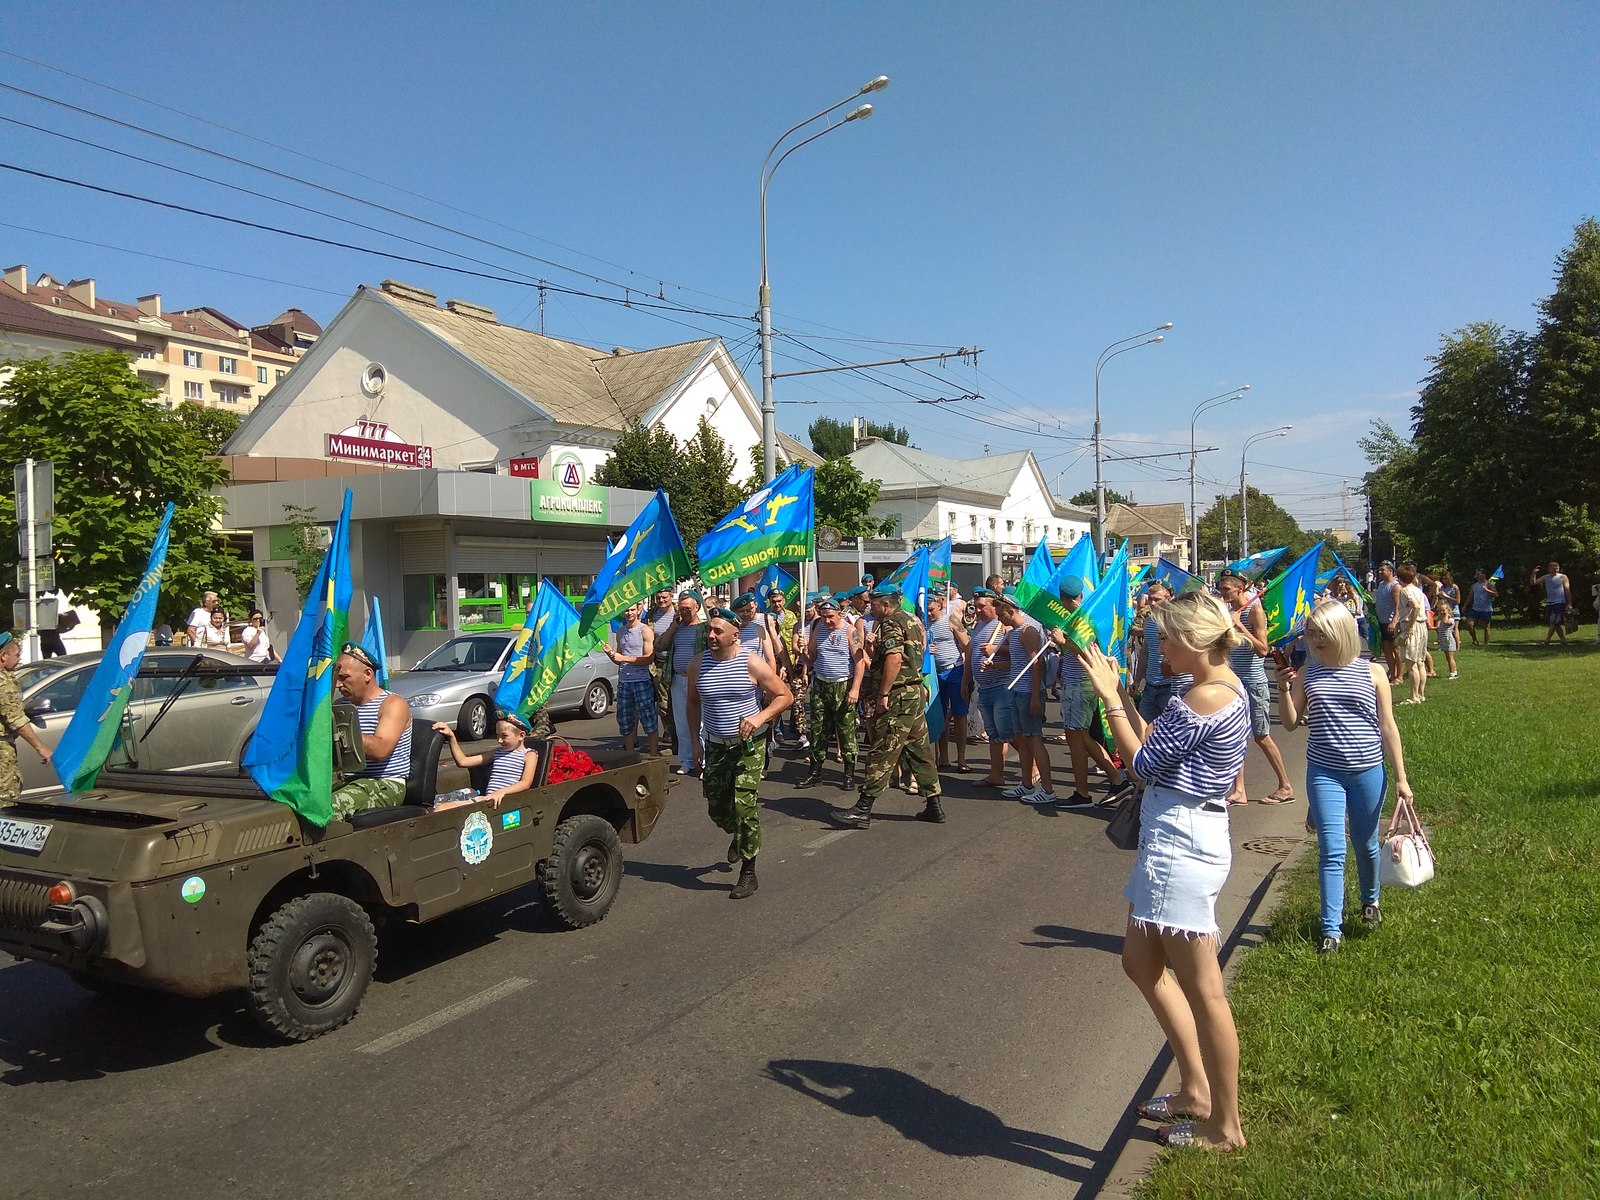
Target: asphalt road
<point>911,1010</point>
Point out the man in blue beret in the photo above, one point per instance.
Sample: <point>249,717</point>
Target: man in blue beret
<point>897,724</point>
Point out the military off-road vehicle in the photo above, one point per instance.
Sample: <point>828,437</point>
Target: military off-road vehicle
<point>196,885</point>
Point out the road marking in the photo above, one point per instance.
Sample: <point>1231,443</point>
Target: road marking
<point>443,1017</point>
<point>828,837</point>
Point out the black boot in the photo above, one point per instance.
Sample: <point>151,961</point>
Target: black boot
<point>733,851</point>
<point>858,817</point>
<point>813,777</point>
<point>747,885</point>
<point>849,777</point>
<point>932,811</point>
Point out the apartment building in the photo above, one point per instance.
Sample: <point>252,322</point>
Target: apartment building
<point>200,355</point>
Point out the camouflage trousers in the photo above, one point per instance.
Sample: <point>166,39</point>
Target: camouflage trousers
<point>10,773</point>
<point>832,714</point>
<point>900,736</point>
<point>800,711</point>
<point>731,781</point>
<point>661,682</point>
<point>358,795</point>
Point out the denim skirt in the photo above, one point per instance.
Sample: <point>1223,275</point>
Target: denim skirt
<point>1185,852</point>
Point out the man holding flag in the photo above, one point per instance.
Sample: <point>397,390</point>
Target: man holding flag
<point>897,722</point>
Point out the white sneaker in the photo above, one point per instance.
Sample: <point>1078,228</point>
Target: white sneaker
<point>1017,791</point>
<point>804,743</point>
<point>1039,797</point>
<point>1455,674</point>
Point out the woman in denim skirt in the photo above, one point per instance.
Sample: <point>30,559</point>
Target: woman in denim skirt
<point>1188,757</point>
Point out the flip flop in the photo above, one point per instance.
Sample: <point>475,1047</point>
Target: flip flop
<point>963,769</point>
<point>1182,1136</point>
<point>1160,1109</point>
<point>1274,798</point>
<point>1246,800</point>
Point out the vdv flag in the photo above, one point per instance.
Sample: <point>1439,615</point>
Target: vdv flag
<point>1081,561</point>
<point>1176,578</point>
<point>372,642</point>
<point>939,565</point>
<point>1039,575</point>
<point>1107,608</point>
<point>912,576</point>
<point>1499,572</point>
<point>1287,600</point>
<point>777,524</point>
<point>291,754</point>
<point>1255,567</point>
<point>776,578</point>
<point>87,740</point>
<point>547,647</point>
<point>647,558</point>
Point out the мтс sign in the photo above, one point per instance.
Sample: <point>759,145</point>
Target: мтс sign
<point>375,442</point>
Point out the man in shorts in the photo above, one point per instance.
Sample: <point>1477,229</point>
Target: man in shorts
<point>1557,596</point>
<point>633,649</point>
<point>1481,610</point>
<point>1386,607</point>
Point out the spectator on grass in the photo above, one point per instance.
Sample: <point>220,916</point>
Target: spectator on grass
<point>1411,633</point>
<point>1345,704</point>
<point>1188,757</point>
<point>1557,595</point>
<point>1481,612</point>
<point>1444,620</point>
<point>1385,602</point>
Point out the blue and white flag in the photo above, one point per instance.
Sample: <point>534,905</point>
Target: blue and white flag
<point>372,641</point>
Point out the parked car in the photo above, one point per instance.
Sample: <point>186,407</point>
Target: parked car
<point>216,702</point>
<point>456,683</point>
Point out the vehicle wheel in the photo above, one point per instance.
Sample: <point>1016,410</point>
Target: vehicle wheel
<point>581,877</point>
<point>597,700</point>
<point>310,965</point>
<point>473,723</point>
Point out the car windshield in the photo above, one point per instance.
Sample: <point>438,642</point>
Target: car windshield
<point>465,654</point>
<point>37,672</point>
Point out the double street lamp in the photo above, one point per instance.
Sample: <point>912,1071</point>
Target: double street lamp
<point>769,428</point>
<point>1216,401</point>
<point>1117,347</point>
<point>1244,502</point>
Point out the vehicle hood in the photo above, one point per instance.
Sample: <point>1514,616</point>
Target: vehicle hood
<point>417,683</point>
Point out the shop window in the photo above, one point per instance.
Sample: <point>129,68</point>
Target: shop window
<point>572,587</point>
<point>423,601</point>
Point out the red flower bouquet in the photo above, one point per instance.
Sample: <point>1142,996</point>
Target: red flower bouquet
<point>567,763</point>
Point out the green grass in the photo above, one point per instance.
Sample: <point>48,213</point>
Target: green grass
<point>1454,1052</point>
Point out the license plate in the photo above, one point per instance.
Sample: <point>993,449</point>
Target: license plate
<point>27,836</point>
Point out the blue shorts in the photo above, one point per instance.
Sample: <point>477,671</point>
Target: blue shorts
<point>1480,616</point>
<point>995,705</point>
<point>636,707</point>
<point>1026,722</point>
<point>1153,700</point>
<point>1077,706</point>
<point>1260,697</point>
<point>950,691</point>
<point>1555,614</point>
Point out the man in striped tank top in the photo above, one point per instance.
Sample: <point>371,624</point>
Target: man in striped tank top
<point>633,649</point>
<point>385,721</point>
<point>725,689</point>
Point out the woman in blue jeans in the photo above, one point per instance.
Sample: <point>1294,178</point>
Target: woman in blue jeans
<point>1345,704</point>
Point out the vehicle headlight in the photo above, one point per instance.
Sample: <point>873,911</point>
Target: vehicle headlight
<point>426,700</point>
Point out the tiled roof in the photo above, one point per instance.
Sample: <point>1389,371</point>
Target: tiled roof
<point>19,315</point>
<point>578,385</point>
<point>1145,518</point>
<point>297,321</point>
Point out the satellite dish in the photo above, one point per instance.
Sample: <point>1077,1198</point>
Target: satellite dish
<point>828,537</point>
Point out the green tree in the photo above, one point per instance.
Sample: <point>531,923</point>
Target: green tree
<point>698,477</point>
<point>898,434</point>
<point>1270,526</point>
<point>845,498</point>
<point>308,548</point>
<point>213,426</point>
<point>642,458</point>
<point>119,459</point>
<point>830,438</point>
<point>1085,498</point>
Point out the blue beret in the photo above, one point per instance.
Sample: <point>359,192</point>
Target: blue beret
<point>512,718</point>
<point>731,617</point>
<point>1072,585</point>
<point>744,598</point>
<point>826,601</point>
<point>851,594</point>
<point>1010,597</point>
<point>887,591</point>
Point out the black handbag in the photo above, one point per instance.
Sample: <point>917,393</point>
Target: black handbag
<point>1123,829</point>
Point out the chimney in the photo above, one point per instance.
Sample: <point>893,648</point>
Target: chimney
<point>17,277</point>
<point>150,306</point>
<point>463,308</point>
<point>406,291</point>
<point>82,290</point>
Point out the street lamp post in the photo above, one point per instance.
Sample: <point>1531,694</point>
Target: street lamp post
<point>769,426</point>
<point>1117,347</point>
<point>1244,502</point>
<point>1216,401</point>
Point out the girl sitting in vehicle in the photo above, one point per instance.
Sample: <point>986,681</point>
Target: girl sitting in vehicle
<point>512,766</point>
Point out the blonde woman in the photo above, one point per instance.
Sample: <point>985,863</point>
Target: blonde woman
<point>1346,706</point>
<point>1188,756</point>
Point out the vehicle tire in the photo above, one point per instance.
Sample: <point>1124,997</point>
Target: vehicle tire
<point>597,700</point>
<point>581,877</point>
<point>473,723</point>
<point>310,965</point>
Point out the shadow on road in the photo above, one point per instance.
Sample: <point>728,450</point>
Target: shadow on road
<point>923,1113</point>
<point>1065,937</point>
<point>691,879</point>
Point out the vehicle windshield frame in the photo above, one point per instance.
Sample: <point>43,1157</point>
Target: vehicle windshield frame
<point>424,663</point>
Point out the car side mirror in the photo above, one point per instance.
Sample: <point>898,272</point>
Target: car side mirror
<point>39,707</point>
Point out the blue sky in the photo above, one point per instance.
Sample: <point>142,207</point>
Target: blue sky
<point>1313,195</point>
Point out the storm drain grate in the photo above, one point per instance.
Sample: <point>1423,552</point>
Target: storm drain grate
<point>1277,847</point>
